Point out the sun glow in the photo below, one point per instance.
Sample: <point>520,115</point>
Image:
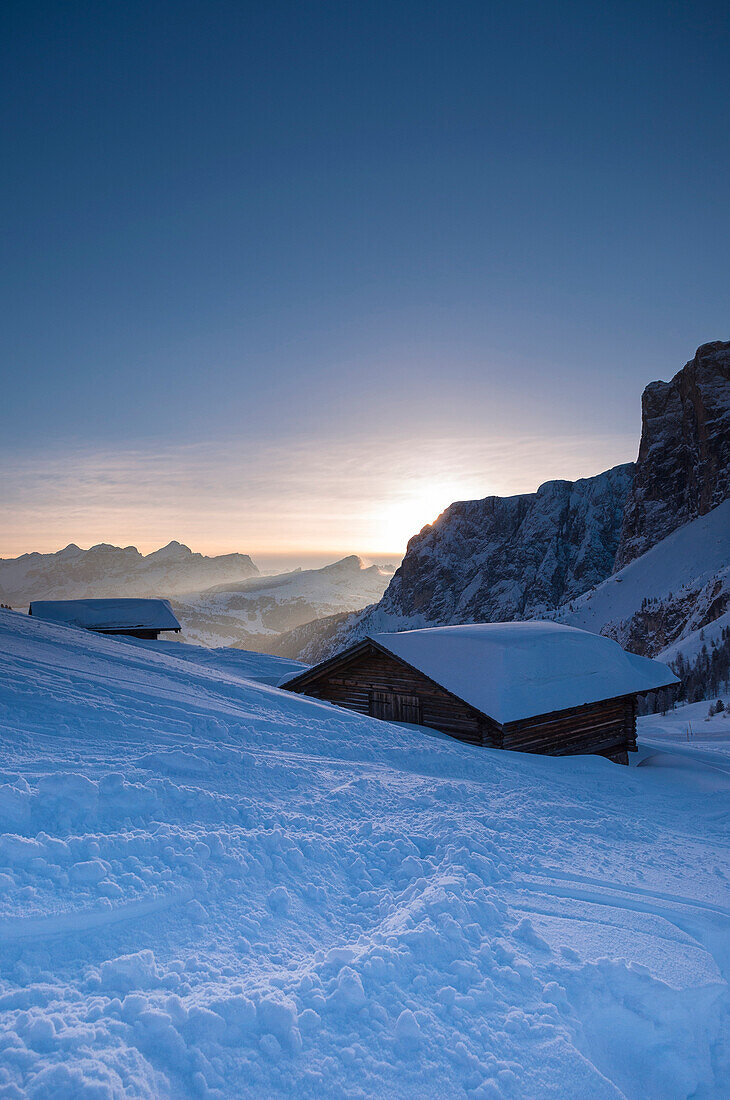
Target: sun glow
<point>327,498</point>
<point>405,515</point>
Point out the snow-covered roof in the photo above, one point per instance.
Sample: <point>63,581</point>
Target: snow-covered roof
<point>511,671</point>
<point>111,614</point>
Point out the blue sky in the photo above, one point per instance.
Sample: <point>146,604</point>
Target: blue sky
<point>292,276</point>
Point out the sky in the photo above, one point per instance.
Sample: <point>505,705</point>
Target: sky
<point>288,278</point>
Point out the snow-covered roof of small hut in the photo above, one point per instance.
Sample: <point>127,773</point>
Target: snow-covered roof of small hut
<point>110,614</point>
<point>512,671</point>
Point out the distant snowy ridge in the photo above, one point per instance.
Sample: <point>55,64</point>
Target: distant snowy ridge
<point>254,612</point>
<point>104,570</point>
<point>220,601</point>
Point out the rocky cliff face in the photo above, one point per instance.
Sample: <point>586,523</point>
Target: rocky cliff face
<point>515,557</point>
<point>683,468</point>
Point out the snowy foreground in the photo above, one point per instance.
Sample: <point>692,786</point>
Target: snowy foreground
<point>211,887</point>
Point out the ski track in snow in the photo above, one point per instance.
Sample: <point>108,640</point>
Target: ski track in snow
<point>212,888</point>
<point>20,928</point>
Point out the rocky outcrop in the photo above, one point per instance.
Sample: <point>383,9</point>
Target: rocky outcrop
<point>676,588</point>
<point>315,640</point>
<point>683,468</point>
<point>515,557</point>
<point>659,623</point>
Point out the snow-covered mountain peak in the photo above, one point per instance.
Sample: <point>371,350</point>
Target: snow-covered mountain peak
<point>174,551</point>
<point>351,564</point>
<point>70,551</point>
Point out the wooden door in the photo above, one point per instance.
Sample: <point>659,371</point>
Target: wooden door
<point>390,706</point>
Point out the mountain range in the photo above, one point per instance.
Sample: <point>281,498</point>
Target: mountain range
<point>253,613</point>
<point>536,554</point>
<point>219,601</point>
<point>104,570</point>
<point>639,552</point>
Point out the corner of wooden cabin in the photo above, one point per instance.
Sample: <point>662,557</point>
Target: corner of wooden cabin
<point>606,728</point>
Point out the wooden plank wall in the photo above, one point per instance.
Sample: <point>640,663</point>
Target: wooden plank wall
<point>607,728</point>
<point>350,687</point>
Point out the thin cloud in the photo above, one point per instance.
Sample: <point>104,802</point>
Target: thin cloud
<point>309,495</point>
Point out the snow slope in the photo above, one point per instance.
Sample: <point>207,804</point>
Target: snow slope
<point>259,667</point>
<point>689,732</point>
<point>214,888</point>
<point>255,611</point>
<point>690,645</point>
<point>685,581</point>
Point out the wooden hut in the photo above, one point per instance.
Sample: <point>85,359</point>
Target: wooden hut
<point>534,687</point>
<point>137,618</point>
